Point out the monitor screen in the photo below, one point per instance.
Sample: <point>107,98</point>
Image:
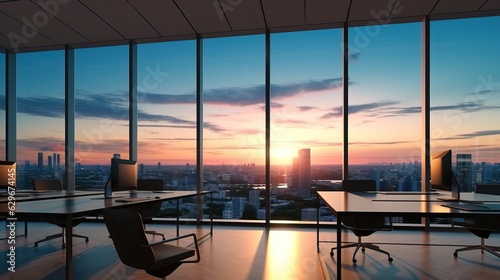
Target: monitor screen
<point>441,172</point>
<point>7,174</point>
<point>123,175</point>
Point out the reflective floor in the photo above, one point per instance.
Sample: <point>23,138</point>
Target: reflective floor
<point>245,252</point>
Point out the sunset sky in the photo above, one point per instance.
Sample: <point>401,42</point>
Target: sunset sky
<point>306,92</point>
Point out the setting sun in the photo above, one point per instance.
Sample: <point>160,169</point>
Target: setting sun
<point>283,155</point>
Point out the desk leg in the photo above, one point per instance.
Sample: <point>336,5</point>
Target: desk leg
<point>317,225</point>
<point>69,247</point>
<point>339,244</point>
<point>178,217</point>
<point>211,214</point>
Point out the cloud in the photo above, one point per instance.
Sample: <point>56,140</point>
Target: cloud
<point>242,96</point>
<point>306,108</point>
<point>481,133</point>
<point>374,109</point>
<point>41,144</point>
<point>354,56</point>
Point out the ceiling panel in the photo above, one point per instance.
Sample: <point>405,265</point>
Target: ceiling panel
<point>206,16</point>
<point>20,35</point>
<point>164,16</point>
<point>457,6</point>
<point>122,17</point>
<point>244,15</point>
<point>491,5</point>
<point>43,22</point>
<point>409,8</point>
<point>284,13</point>
<point>374,11</point>
<point>326,11</point>
<point>88,24</point>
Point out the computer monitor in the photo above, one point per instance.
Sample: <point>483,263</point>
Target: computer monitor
<point>7,174</point>
<point>441,172</point>
<point>123,177</point>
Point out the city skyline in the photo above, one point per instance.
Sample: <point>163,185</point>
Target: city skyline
<point>306,97</point>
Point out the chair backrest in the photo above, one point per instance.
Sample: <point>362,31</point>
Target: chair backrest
<point>359,185</point>
<point>360,224</point>
<point>127,232</point>
<point>47,184</point>
<point>488,189</point>
<point>150,184</point>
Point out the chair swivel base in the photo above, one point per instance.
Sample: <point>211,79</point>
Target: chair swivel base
<point>60,235</point>
<point>490,249</point>
<point>362,246</point>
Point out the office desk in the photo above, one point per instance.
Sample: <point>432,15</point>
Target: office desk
<point>73,207</point>
<point>30,195</point>
<point>345,204</point>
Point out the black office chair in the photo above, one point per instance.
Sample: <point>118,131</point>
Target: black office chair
<point>158,259</point>
<point>46,184</point>
<point>361,225</point>
<point>150,210</point>
<point>482,227</point>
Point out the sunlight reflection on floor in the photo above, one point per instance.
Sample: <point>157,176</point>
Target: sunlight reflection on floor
<point>285,259</point>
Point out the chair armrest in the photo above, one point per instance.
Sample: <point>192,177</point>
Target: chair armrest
<point>195,242</point>
<point>390,226</point>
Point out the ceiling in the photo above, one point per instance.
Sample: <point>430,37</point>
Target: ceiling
<point>29,25</point>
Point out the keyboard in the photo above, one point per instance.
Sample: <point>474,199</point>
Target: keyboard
<point>133,199</point>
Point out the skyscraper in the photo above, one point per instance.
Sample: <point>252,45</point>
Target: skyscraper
<point>254,199</point>
<point>49,162</point>
<point>464,169</point>
<point>40,161</point>
<point>301,173</point>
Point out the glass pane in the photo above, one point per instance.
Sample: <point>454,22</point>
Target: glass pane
<point>465,87</point>
<point>167,113</point>
<point>101,112</point>
<point>306,119</point>
<point>40,116</point>
<point>234,124</point>
<point>385,105</point>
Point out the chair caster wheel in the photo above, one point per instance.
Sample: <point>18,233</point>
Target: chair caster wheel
<point>363,250</point>
<point>354,261</point>
<point>390,259</point>
<point>455,254</point>
<point>331,254</point>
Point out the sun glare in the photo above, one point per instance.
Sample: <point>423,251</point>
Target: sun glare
<point>282,155</point>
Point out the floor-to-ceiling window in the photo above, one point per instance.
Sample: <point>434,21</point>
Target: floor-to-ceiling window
<point>465,97</point>
<point>385,105</point>
<point>306,119</point>
<point>2,106</point>
<point>234,124</point>
<point>101,112</point>
<point>40,116</point>
<point>166,101</point>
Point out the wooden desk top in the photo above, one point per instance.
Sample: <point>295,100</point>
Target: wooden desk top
<point>346,203</point>
<point>89,204</point>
